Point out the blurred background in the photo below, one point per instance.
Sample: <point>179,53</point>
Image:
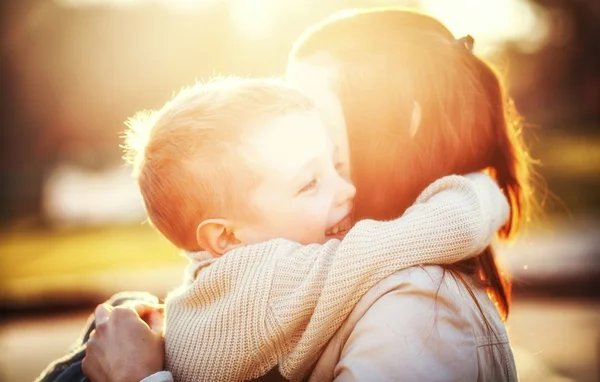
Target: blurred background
<point>71,230</point>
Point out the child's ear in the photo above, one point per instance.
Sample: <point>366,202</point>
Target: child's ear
<point>216,236</point>
<point>415,120</point>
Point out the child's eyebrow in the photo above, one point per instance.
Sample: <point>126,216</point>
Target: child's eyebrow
<point>311,163</point>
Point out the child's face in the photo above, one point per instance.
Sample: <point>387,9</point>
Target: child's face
<point>301,196</point>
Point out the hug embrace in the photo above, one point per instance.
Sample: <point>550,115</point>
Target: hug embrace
<point>337,223</point>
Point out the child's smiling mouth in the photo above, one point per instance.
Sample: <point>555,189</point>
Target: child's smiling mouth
<point>340,229</point>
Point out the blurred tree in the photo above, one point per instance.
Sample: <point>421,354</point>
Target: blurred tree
<point>560,84</point>
<point>21,163</point>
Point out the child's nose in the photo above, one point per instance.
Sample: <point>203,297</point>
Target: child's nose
<point>346,191</point>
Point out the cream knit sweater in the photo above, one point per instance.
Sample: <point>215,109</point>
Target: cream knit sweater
<point>279,303</point>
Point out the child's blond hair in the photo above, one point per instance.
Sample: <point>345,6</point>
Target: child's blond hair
<point>185,155</point>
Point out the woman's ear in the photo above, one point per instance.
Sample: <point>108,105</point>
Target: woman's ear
<point>415,119</point>
<point>216,236</point>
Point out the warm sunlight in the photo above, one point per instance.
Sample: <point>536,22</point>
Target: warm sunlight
<point>252,18</point>
<point>178,6</point>
<point>91,3</point>
<point>77,227</point>
<point>491,21</point>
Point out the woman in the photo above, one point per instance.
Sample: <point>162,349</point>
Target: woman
<point>407,104</point>
<point>378,71</point>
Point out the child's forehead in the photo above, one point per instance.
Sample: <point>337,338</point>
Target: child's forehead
<point>288,140</point>
<point>293,128</point>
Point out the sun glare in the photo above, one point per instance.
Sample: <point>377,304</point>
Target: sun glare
<point>252,18</point>
<point>95,3</point>
<point>186,6</point>
<point>490,21</point>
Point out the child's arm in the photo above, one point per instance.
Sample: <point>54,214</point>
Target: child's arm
<point>279,302</point>
<point>454,218</point>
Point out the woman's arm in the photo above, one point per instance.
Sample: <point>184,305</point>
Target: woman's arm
<point>125,348</point>
<point>417,331</point>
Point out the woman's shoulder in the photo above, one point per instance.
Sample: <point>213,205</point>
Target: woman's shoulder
<point>424,284</point>
<point>423,291</point>
<point>414,289</point>
<point>426,278</point>
<point>407,316</point>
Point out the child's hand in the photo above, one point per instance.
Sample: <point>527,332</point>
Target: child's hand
<point>151,314</point>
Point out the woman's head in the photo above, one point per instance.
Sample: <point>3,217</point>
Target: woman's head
<point>384,72</point>
<point>379,71</point>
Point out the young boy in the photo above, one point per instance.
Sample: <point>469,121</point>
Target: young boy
<point>242,176</point>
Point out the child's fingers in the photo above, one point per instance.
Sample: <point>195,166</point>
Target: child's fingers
<point>155,321</point>
<point>152,314</point>
<point>144,309</point>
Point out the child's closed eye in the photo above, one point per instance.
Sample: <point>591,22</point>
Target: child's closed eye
<point>309,186</point>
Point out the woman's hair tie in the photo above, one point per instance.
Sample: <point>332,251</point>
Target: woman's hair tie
<point>466,42</point>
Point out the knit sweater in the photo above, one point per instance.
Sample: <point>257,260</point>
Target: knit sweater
<point>279,302</point>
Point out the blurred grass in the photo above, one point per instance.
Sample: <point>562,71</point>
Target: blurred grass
<point>53,261</point>
<point>128,246</point>
<point>569,174</point>
<point>580,155</point>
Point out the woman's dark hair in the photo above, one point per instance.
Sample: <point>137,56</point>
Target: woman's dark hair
<point>389,59</point>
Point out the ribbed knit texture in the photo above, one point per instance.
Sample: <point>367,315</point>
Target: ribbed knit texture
<point>279,303</point>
